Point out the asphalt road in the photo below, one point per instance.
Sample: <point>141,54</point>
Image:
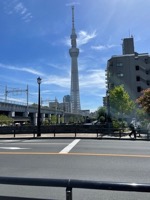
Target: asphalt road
<point>97,160</point>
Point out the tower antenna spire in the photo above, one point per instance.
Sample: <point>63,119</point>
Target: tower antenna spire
<point>74,52</point>
<point>72,17</point>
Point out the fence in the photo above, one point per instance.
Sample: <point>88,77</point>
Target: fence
<point>69,184</point>
<point>99,130</point>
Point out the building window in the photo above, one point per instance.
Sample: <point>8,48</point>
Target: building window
<point>119,64</point>
<point>139,89</point>
<point>146,60</point>
<point>148,82</point>
<point>146,72</point>
<point>112,85</point>
<point>120,74</point>
<point>137,67</point>
<point>111,64</point>
<point>138,78</point>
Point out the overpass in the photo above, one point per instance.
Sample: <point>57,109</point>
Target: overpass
<point>20,112</point>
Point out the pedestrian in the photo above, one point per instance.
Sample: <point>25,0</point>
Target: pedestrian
<point>133,130</point>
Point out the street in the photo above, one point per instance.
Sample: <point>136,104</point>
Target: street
<point>84,159</point>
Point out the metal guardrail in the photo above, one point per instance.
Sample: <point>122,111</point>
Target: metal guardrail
<point>74,129</point>
<point>69,184</point>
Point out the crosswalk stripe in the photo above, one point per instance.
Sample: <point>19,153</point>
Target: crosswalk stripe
<point>70,146</point>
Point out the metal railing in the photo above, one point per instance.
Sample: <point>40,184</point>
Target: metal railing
<point>69,184</point>
<point>99,131</point>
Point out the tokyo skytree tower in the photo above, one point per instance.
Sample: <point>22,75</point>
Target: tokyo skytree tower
<point>74,52</point>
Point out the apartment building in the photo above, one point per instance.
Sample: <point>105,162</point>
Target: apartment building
<point>130,69</point>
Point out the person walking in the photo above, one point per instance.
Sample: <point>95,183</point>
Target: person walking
<point>133,130</point>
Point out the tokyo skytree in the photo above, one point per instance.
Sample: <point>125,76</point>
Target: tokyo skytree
<point>74,52</point>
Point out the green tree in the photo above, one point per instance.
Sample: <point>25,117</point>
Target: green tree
<point>34,105</point>
<point>53,119</point>
<point>5,120</point>
<point>141,114</point>
<point>120,102</point>
<point>144,100</point>
<point>102,114</point>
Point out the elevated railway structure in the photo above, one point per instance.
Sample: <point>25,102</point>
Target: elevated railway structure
<point>24,113</point>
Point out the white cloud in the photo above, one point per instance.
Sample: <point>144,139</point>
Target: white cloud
<point>100,47</point>
<point>83,37</point>
<point>57,80</point>
<point>16,7</point>
<point>24,69</point>
<point>31,71</point>
<point>103,47</point>
<point>21,101</point>
<point>93,79</point>
<point>53,79</point>
<point>20,8</point>
<point>59,66</point>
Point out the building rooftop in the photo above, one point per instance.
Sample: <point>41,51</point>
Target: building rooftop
<point>135,54</point>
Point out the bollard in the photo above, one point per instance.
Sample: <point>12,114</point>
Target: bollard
<point>68,193</point>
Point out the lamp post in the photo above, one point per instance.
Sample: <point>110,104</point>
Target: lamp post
<point>39,107</point>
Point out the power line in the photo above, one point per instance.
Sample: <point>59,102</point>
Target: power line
<point>15,91</point>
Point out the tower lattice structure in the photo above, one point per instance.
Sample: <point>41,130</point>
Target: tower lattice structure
<point>74,52</point>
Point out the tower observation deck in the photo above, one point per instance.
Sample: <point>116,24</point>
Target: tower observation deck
<point>74,52</point>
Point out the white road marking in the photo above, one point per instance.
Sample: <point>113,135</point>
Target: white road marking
<point>7,141</point>
<point>12,148</point>
<point>70,146</point>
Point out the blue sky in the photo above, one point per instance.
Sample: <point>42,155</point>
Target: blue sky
<point>35,41</point>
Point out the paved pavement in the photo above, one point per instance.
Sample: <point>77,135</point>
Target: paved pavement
<point>97,160</point>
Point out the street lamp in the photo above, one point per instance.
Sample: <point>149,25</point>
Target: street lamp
<point>39,107</point>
